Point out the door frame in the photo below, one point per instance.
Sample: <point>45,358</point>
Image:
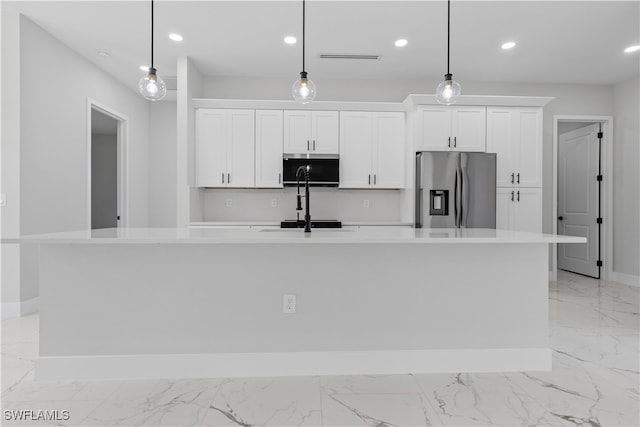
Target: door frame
<point>607,189</point>
<point>122,161</point>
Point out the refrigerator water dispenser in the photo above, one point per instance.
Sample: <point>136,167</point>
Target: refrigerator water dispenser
<point>438,202</point>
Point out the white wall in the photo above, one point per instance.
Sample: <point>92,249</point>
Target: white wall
<point>626,162</point>
<point>54,134</point>
<point>163,166</point>
<point>10,160</point>
<point>48,97</point>
<point>104,179</point>
<point>325,203</point>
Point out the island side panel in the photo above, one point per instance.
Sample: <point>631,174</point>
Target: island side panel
<point>139,299</point>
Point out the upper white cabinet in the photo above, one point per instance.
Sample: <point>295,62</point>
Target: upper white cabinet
<point>269,145</point>
<point>372,150</point>
<point>443,128</point>
<point>311,132</point>
<point>515,135</point>
<point>225,148</point>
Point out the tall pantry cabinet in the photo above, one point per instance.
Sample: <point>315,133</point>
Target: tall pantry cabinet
<point>515,135</point>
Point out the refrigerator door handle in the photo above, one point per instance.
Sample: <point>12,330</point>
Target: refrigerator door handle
<point>455,199</point>
<point>464,191</point>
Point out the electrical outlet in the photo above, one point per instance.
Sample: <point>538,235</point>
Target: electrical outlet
<point>228,203</point>
<point>274,203</point>
<point>366,203</point>
<point>289,304</point>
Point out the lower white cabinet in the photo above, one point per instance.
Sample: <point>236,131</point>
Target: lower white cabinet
<point>269,148</point>
<point>371,150</point>
<point>519,209</point>
<point>225,144</point>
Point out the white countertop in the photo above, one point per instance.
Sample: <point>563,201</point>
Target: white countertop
<point>271,235</point>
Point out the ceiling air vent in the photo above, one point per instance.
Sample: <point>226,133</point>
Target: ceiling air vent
<point>339,56</point>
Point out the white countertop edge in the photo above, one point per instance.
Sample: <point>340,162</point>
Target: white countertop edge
<point>368,235</point>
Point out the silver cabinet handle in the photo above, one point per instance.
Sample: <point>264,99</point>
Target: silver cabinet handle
<point>518,196</point>
<point>455,141</point>
<point>223,177</point>
<point>369,179</point>
<point>308,148</point>
<point>518,180</point>
<point>314,145</point>
<point>512,194</point>
<point>512,178</point>
<point>375,178</point>
<point>449,142</point>
<point>280,178</point>
<point>228,178</point>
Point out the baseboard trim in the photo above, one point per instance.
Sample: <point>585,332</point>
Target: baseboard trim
<point>22,308</point>
<point>238,365</point>
<point>625,279</point>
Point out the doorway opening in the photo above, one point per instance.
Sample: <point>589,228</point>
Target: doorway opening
<point>582,190</point>
<point>106,186</point>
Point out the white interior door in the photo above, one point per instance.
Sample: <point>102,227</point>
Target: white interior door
<point>578,199</point>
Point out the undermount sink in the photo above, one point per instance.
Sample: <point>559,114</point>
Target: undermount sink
<point>300,230</point>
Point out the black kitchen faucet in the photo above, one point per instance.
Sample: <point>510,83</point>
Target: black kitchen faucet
<point>306,170</point>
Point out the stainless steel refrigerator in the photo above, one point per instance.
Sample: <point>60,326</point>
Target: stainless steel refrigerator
<point>455,190</point>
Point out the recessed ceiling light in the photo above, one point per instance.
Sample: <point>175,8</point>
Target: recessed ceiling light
<point>144,68</point>
<point>508,45</point>
<point>290,40</point>
<point>632,49</point>
<point>401,42</point>
<point>175,37</point>
<point>103,53</point>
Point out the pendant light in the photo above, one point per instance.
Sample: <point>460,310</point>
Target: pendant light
<point>303,90</point>
<point>448,90</point>
<point>151,86</point>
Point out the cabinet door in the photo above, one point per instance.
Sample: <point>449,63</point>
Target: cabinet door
<point>468,128</point>
<point>388,156</point>
<point>241,148</point>
<point>500,140</point>
<point>529,164</point>
<point>269,143</point>
<point>324,132</point>
<point>434,129</point>
<point>211,147</point>
<point>528,210</point>
<point>356,137</point>
<point>504,208</point>
<point>297,131</point>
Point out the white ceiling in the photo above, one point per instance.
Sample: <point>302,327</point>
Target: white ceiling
<point>558,41</point>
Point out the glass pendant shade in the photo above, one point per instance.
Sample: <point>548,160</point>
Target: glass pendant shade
<point>152,87</point>
<point>303,90</point>
<point>448,91</point>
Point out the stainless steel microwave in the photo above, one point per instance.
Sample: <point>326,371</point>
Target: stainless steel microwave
<point>324,169</point>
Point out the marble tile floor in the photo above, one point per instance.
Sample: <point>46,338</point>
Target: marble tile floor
<point>594,382</point>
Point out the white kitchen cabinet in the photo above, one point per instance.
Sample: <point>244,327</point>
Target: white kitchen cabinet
<point>519,209</point>
<point>515,135</point>
<point>225,144</point>
<point>269,146</point>
<point>443,128</point>
<point>371,150</point>
<point>311,132</point>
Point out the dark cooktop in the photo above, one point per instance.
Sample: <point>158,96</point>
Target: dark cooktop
<point>315,223</point>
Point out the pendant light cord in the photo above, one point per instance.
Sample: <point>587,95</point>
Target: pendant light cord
<point>448,32</point>
<point>303,31</point>
<point>152,34</point>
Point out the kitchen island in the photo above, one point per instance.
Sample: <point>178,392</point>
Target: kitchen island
<point>162,303</point>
